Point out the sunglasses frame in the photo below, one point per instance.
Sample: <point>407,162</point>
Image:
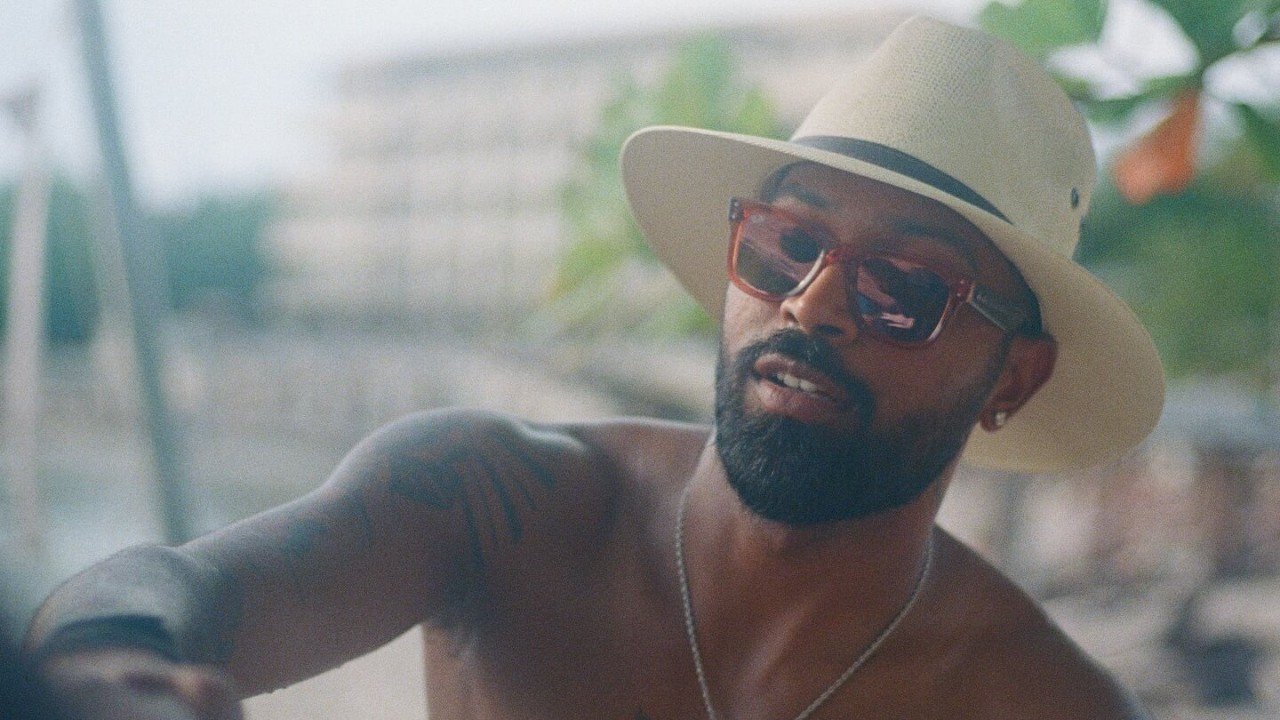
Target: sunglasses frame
<point>998,310</point>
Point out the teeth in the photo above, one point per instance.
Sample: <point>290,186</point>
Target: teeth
<point>792,381</point>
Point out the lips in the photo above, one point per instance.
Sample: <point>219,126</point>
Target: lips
<point>797,375</point>
<point>791,387</point>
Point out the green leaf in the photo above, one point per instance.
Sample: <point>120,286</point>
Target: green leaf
<point>1118,109</point>
<point>757,116</point>
<point>1166,257</point>
<point>1167,85</point>
<point>1113,110</point>
<point>1077,88</point>
<point>597,273</point>
<point>1040,27</point>
<point>1209,24</point>
<point>1264,134</point>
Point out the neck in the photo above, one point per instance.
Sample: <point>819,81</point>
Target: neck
<point>879,554</point>
<point>784,601</point>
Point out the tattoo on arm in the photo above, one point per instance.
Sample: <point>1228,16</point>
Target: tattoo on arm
<point>491,480</point>
<point>302,540</point>
<point>230,613</point>
<point>298,545</point>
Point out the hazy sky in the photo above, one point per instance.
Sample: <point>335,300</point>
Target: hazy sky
<point>219,94</point>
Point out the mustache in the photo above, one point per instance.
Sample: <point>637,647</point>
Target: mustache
<point>811,350</point>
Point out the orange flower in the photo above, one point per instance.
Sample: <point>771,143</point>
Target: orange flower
<point>1162,160</point>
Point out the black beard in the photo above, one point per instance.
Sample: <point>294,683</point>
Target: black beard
<point>791,472</point>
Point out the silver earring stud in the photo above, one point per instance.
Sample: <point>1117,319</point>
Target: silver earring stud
<point>1000,418</point>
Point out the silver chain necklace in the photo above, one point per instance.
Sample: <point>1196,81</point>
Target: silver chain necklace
<point>691,633</point>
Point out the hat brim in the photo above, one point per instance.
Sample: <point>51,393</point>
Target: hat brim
<point>1107,387</point>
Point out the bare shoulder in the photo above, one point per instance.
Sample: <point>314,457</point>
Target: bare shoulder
<point>420,446</point>
<point>521,481</point>
<point>1015,660</point>
<point>644,450</point>
<point>487,463</point>
<point>435,430</point>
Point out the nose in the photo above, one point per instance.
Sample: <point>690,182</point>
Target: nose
<point>823,307</point>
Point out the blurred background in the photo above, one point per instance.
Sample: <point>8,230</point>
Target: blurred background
<point>238,236</point>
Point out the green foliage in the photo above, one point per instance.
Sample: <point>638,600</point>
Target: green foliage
<point>1217,29</point>
<point>1201,268</point>
<point>210,251</point>
<point>1210,24</point>
<point>1263,134</point>
<point>1118,110</point>
<point>608,279</point>
<point>1041,27</point>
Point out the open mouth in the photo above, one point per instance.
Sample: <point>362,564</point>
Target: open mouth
<point>796,383</point>
<point>795,375</point>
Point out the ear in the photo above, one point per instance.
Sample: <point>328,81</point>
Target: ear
<point>1027,368</point>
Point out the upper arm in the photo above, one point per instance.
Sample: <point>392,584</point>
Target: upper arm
<point>409,528</point>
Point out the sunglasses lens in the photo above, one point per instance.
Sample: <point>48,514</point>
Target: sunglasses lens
<point>896,299</point>
<point>900,300</point>
<point>774,254</point>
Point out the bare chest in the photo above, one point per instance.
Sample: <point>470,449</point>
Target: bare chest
<point>606,647</point>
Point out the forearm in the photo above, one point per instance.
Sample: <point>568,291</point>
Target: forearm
<point>147,597</point>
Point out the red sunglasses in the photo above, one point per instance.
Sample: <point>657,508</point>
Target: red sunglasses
<point>775,255</point>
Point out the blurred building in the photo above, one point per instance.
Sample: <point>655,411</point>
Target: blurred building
<point>442,203</point>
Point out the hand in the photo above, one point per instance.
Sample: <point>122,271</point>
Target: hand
<point>123,683</point>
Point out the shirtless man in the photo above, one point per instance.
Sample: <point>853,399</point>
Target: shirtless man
<point>900,296</point>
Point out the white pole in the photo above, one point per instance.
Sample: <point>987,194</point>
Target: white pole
<point>25,331</point>
<point>143,275</point>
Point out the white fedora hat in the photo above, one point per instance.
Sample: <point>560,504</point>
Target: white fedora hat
<point>968,120</point>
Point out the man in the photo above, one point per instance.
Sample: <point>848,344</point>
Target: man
<point>900,295</point>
